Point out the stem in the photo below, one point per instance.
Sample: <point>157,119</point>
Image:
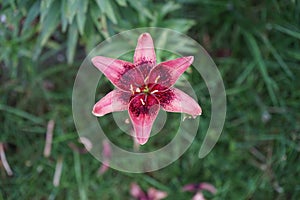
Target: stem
<point>4,161</point>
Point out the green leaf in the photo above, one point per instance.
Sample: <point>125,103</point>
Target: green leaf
<point>21,113</point>
<point>72,42</point>
<point>81,15</point>
<point>50,23</point>
<point>295,34</point>
<point>106,7</point>
<point>95,15</point>
<point>182,25</point>
<point>44,9</point>
<point>64,19</point>
<point>32,14</point>
<point>168,8</point>
<point>121,2</point>
<point>140,8</point>
<point>78,176</point>
<point>91,36</point>
<point>293,54</point>
<point>72,6</point>
<point>278,58</point>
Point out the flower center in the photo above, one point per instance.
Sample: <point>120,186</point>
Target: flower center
<point>146,89</point>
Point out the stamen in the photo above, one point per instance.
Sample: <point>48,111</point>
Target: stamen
<point>131,89</point>
<point>137,90</point>
<point>142,101</point>
<point>157,79</point>
<point>146,79</point>
<point>154,91</point>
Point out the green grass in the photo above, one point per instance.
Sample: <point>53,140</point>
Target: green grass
<point>256,48</point>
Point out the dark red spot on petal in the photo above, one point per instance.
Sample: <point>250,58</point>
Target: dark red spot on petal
<point>131,76</point>
<point>164,97</point>
<point>145,66</point>
<point>124,97</point>
<point>144,104</point>
<point>157,87</point>
<point>161,75</point>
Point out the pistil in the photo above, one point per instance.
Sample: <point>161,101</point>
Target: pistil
<point>146,89</point>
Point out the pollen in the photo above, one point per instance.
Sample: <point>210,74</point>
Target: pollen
<point>156,80</point>
<point>154,91</point>
<point>142,102</point>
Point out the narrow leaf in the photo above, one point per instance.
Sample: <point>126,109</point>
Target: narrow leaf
<point>121,2</point>
<point>64,19</point>
<point>20,113</point>
<point>81,15</point>
<point>276,55</point>
<point>72,42</point>
<point>44,9</point>
<point>50,23</point>
<point>295,34</point>
<point>32,14</point>
<point>255,51</point>
<point>71,10</point>
<point>106,7</point>
<point>139,7</point>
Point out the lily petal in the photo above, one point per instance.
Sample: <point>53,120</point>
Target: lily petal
<point>199,187</point>
<point>167,73</point>
<point>137,192</point>
<point>116,100</point>
<point>143,110</point>
<point>144,55</point>
<point>122,74</point>
<point>155,194</point>
<point>174,100</point>
<point>198,196</point>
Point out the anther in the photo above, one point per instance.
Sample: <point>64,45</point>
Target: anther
<point>137,90</point>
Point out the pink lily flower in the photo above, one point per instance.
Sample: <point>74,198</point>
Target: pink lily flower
<point>152,193</point>
<point>198,188</point>
<point>143,87</point>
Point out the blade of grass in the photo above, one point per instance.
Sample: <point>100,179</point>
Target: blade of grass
<point>72,42</point>
<point>276,55</point>
<point>245,73</point>
<point>256,53</point>
<point>287,31</point>
<point>21,113</point>
<point>107,8</point>
<point>77,167</point>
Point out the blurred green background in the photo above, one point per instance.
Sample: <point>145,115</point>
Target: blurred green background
<point>255,45</point>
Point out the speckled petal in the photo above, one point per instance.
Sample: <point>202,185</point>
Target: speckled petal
<point>174,100</point>
<point>122,74</point>
<point>144,55</point>
<point>167,73</point>
<point>143,110</point>
<point>116,100</point>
